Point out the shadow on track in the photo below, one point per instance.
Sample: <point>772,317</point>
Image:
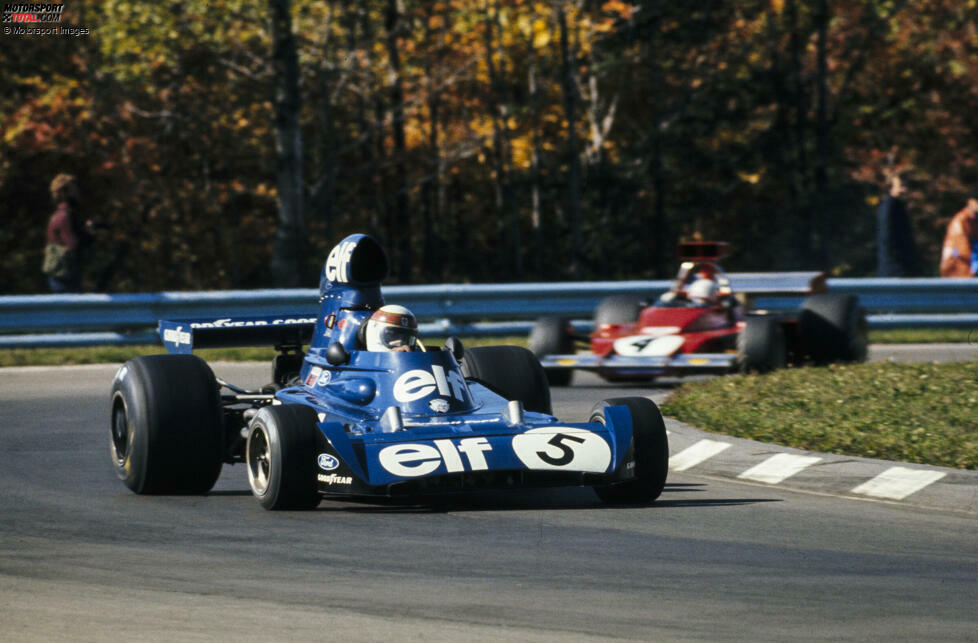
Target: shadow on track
<point>525,500</point>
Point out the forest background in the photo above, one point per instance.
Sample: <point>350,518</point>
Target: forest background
<point>229,144</point>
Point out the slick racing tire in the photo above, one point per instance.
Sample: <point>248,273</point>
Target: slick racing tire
<point>513,372</point>
<point>167,425</point>
<point>761,346</point>
<point>649,451</point>
<point>281,457</point>
<point>833,329</point>
<point>618,309</point>
<point>551,336</point>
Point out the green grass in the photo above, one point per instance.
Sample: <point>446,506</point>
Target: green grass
<point>924,336</point>
<point>923,413</point>
<point>119,354</point>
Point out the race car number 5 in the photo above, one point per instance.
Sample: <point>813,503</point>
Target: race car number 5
<point>556,448</point>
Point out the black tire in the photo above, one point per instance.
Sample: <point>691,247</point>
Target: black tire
<point>281,457</point>
<point>167,425</point>
<point>513,372</point>
<point>833,329</point>
<point>762,346</point>
<point>550,336</point>
<point>618,309</point>
<point>649,450</point>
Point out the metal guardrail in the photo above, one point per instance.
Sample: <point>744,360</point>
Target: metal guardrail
<point>462,309</point>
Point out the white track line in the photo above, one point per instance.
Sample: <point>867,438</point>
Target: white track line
<point>779,467</point>
<point>898,482</point>
<point>693,455</point>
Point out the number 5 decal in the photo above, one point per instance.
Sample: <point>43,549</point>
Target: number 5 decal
<point>566,453</point>
<point>562,448</point>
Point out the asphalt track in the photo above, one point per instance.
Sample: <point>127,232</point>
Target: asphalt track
<point>82,558</point>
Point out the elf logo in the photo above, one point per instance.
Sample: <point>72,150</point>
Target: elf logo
<point>338,262</point>
<point>413,460</point>
<point>419,383</point>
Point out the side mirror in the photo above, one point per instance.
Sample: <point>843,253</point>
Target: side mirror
<point>454,345</point>
<point>337,355</point>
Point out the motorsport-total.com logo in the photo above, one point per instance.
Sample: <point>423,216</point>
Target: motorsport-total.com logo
<point>36,19</point>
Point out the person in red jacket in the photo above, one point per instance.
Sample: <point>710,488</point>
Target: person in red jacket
<point>959,256</point>
<point>67,237</point>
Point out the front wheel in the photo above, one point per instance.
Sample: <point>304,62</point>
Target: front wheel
<point>833,328</point>
<point>511,371</point>
<point>281,457</point>
<point>648,452</point>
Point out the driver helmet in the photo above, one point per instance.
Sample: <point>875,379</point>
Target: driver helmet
<point>703,291</point>
<point>391,327</point>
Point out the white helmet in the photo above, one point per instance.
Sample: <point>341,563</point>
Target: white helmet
<point>703,291</point>
<point>391,327</point>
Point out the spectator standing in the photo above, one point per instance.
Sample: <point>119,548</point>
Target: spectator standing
<point>896,252</point>
<point>959,256</point>
<point>68,236</point>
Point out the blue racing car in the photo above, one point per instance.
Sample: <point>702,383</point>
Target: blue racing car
<point>367,410</point>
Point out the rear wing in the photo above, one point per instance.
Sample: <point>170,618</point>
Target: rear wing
<point>768,284</point>
<point>183,336</point>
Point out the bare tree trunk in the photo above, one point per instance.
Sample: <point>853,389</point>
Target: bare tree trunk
<point>822,137</point>
<point>402,211</point>
<point>570,112</point>
<point>500,129</point>
<point>287,257</point>
<point>536,215</point>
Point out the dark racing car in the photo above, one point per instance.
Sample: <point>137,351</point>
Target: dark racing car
<point>367,410</point>
<point>703,325</point>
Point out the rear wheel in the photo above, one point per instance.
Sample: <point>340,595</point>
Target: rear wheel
<point>761,346</point>
<point>833,329</point>
<point>551,336</point>
<point>513,372</point>
<point>281,457</point>
<point>618,309</point>
<point>649,451</point>
<point>167,425</point>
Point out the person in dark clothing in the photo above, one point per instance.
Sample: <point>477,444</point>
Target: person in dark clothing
<point>68,236</point>
<point>896,252</point>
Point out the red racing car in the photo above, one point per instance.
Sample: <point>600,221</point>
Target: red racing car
<point>702,325</point>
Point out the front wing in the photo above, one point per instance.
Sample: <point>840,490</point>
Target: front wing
<point>413,463</point>
<point>678,364</point>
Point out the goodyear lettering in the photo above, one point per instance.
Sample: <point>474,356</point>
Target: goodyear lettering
<point>332,478</point>
<point>227,322</point>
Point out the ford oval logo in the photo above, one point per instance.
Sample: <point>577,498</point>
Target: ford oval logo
<point>327,462</point>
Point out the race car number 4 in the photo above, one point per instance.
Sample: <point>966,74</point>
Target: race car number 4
<point>556,449</point>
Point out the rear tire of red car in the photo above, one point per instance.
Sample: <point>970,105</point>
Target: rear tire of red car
<point>761,346</point>
<point>832,328</point>
<point>618,309</point>
<point>167,425</point>
<point>513,372</point>
<point>551,336</point>
<point>281,457</point>
<point>649,450</point>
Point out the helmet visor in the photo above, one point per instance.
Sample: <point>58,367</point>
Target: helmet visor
<point>397,336</point>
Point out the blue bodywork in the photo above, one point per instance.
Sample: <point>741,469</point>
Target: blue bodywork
<point>409,420</point>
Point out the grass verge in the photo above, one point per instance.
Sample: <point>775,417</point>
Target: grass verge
<point>119,354</point>
<point>922,413</point>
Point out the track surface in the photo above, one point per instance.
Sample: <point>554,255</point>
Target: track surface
<point>83,558</point>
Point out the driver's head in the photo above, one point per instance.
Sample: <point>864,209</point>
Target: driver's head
<point>703,291</point>
<point>391,328</point>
